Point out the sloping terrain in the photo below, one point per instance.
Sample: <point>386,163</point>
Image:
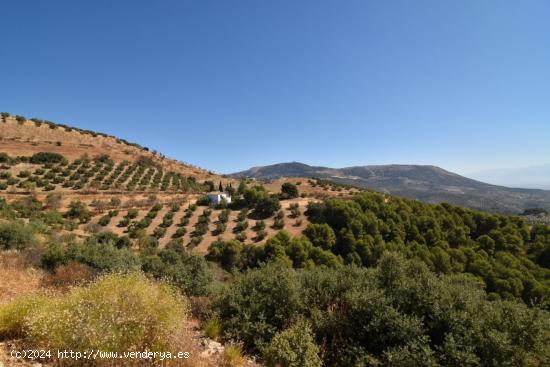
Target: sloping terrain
<point>125,188</point>
<point>22,137</point>
<point>426,183</point>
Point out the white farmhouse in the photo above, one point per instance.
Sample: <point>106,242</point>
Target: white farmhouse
<point>218,197</point>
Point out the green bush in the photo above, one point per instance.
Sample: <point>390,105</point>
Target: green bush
<point>289,190</point>
<point>260,235</point>
<point>124,222</point>
<point>187,271</point>
<point>258,304</point>
<point>266,207</point>
<point>258,226</point>
<point>241,226</point>
<point>24,174</point>
<point>195,241</point>
<point>203,200</point>
<point>502,251</point>
<point>241,236</point>
<point>78,210</point>
<point>104,220</point>
<point>227,254</point>
<point>399,313</point>
<point>213,328</point>
<point>321,235</point>
<point>104,252</point>
<point>15,235</point>
<point>46,157</point>
<point>278,224</point>
<point>115,313</point>
<point>159,232</point>
<point>132,213</point>
<point>294,210</point>
<point>293,347</point>
<point>180,232</point>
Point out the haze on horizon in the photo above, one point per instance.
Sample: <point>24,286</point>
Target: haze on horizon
<point>230,85</point>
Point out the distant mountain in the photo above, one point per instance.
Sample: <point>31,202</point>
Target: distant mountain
<point>426,183</point>
<point>535,177</point>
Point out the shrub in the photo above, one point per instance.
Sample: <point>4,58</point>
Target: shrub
<point>213,328</point>
<point>293,347</point>
<point>14,315</point>
<point>259,226</point>
<point>232,356</point>
<point>228,254</point>
<point>203,200</point>
<point>54,200</point>
<point>257,304</point>
<point>71,274</point>
<point>187,271</point>
<point>78,210</point>
<point>104,220</point>
<point>278,223</point>
<point>260,235</point>
<point>289,190</point>
<point>115,313</point>
<point>266,207</point>
<point>243,214</point>
<point>321,235</point>
<point>294,210</point>
<point>20,119</point>
<point>46,157</point>
<point>220,228</point>
<point>180,232</point>
<point>159,232</point>
<point>224,216</point>
<point>124,222</point>
<point>15,235</point>
<point>241,236</point>
<point>195,241</point>
<point>241,226</point>
<point>24,174</point>
<point>99,252</point>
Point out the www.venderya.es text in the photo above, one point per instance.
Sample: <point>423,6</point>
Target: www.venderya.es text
<point>96,354</point>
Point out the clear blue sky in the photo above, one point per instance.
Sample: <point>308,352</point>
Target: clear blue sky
<point>226,85</point>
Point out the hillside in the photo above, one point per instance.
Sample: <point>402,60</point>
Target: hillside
<point>128,190</point>
<point>23,137</point>
<point>103,227</point>
<point>426,183</point>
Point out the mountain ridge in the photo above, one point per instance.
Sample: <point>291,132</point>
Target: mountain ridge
<point>427,183</point>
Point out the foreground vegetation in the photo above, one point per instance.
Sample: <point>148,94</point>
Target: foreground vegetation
<point>375,280</point>
<point>115,313</point>
<point>399,314</point>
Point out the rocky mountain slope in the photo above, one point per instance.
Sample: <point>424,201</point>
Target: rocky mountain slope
<point>427,183</point>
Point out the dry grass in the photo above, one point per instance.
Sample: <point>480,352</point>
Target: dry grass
<point>18,276</point>
<point>65,276</point>
<point>232,356</point>
<point>117,312</point>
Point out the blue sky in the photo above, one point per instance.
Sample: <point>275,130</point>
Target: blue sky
<point>226,85</point>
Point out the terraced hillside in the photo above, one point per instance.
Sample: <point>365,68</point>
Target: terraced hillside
<point>197,226</point>
<point>25,137</point>
<point>99,183</point>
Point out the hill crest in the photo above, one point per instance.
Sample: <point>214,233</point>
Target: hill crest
<point>427,183</point>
